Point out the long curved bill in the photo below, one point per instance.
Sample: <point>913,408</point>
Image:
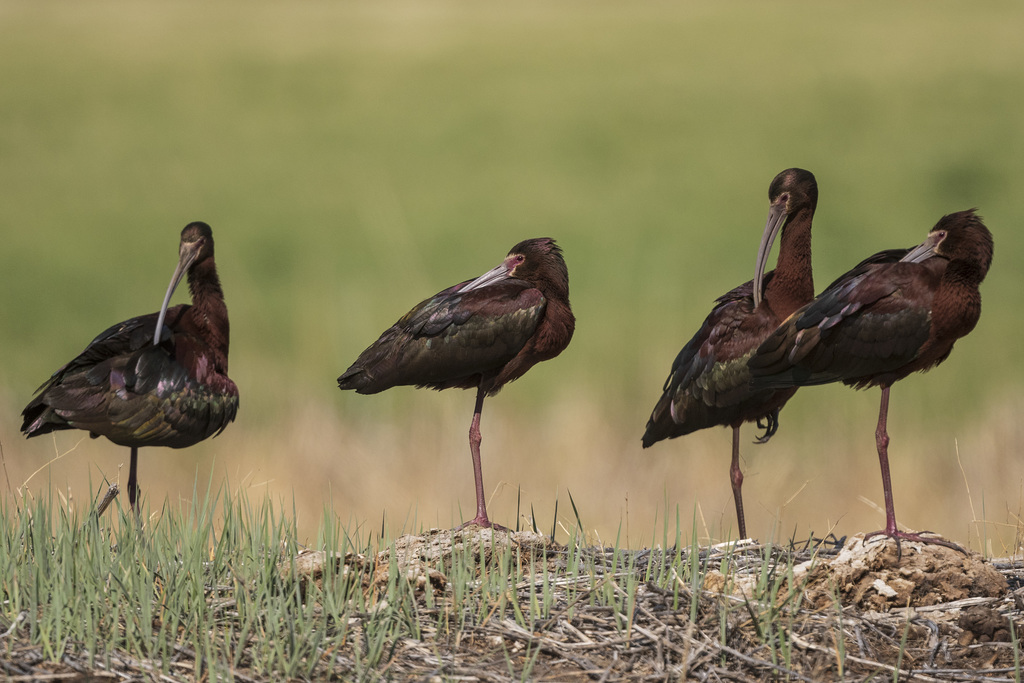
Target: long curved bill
<point>776,219</point>
<point>923,251</point>
<point>490,277</point>
<point>186,255</point>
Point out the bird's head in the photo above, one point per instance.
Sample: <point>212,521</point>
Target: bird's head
<point>538,261</point>
<point>539,258</point>
<point>959,236</point>
<point>196,245</point>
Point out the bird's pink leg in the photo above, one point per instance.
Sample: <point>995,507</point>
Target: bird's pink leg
<point>736,475</point>
<point>882,443</point>
<point>478,477</point>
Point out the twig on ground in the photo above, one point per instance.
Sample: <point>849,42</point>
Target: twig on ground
<point>108,498</point>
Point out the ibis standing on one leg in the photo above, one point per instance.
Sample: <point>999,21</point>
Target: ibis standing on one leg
<point>480,334</point>
<point>897,312</point>
<point>709,383</point>
<point>155,380</point>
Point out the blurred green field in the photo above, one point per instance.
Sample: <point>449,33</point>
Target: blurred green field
<point>356,158</point>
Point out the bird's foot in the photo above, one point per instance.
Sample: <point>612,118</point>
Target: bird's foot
<point>482,522</point>
<point>770,424</point>
<point>932,539</point>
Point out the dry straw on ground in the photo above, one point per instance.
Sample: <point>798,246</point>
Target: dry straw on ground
<point>831,612</point>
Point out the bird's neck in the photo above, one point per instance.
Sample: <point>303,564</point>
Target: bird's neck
<point>792,285</point>
<point>962,273</point>
<point>555,289</point>
<point>957,304</point>
<point>209,314</point>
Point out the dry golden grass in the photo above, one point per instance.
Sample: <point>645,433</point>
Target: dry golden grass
<point>409,466</point>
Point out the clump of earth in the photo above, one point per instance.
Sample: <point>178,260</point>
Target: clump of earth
<point>879,576</point>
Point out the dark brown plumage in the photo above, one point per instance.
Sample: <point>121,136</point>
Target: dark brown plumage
<point>709,383</point>
<point>480,334</point>
<point>896,313</point>
<point>155,380</point>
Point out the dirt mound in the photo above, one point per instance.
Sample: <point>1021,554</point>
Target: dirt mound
<point>419,557</point>
<point>875,576</point>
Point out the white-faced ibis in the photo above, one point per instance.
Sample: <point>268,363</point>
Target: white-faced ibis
<point>709,384</point>
<point>155,380</point>
<point>480,334</point>
<point>897,312</point>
